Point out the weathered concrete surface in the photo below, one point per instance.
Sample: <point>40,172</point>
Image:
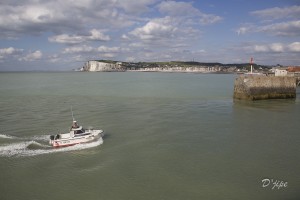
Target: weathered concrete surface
<point>264,87</point>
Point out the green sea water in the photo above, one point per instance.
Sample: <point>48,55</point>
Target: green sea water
<point>168,136</point>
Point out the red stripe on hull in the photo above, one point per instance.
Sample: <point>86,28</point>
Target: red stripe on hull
<point>65,145</point>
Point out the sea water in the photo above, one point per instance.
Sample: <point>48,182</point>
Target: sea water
<point>167,136</point>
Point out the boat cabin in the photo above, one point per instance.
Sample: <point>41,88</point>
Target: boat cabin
<point>78,130</point>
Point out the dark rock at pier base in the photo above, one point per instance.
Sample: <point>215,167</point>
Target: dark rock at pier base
<point>251,87</point>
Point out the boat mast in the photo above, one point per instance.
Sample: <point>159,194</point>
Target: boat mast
<point>72,114</point>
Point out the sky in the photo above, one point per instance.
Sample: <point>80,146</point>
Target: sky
<point>63,35</point>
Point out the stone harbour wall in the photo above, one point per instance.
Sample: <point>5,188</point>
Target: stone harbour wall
<point>251,87</point>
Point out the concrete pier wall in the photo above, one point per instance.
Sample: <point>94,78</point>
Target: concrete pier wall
<point>249,87</point>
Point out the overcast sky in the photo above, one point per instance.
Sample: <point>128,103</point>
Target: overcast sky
<point>62,35</point>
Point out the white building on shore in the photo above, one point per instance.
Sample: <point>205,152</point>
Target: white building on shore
<point>281,72</point>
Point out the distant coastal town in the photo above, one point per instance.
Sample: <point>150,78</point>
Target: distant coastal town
<point>181,66</point>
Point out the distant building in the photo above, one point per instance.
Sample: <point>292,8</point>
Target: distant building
<point>293,69</point>
<point>281,72</point>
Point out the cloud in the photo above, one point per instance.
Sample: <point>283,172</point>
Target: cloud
<point>89,49</point>
<point>290,28</point>
<point>85,52</point>
<point>273,48</point>
<point>136,30</point>
<point>163,33</point>
<point>98,35</point>
<point>173,8</point>
<point>10,52</point>
<point>79,49</point>
<point>37,17</point>
<point>125,37</point>
<point>209,19</point>
<point>278,13</point>
<point>94,35</point>
<point>243,30</point>
<point>156,29</point>
<point>261,48</point>
<point>66,39</point>
<point>32,56</point>
<point>276,47</point>
<point>135,7</point>
<point>285,29</point>
<point>19,54</point>
<point>104,49</point>
<point>294,47</point>
<point>187,10</point>
<point>54,58</point>
<point>140,25</point>
<point>108,55</point>
<point>130,59</point>
<point>276,21</point>
<point>30,19</point>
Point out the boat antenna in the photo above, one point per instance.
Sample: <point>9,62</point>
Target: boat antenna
<point>72,114</point>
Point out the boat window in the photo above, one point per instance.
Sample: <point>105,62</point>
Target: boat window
<point>78,131</point>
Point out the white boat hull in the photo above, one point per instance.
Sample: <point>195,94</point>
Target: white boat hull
<point>69,139</point>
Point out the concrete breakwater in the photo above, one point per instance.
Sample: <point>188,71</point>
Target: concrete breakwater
<point>298,81</point>
<point>250,87</point>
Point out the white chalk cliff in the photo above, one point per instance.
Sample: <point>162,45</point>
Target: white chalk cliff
<point>98,66</point>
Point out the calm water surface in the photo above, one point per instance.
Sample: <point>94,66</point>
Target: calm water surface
<point>168,136</point>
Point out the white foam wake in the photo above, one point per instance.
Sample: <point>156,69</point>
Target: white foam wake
<point>40,137</point>
<point>35,137</point>
<point>25,148</point>
<point>6,136</point>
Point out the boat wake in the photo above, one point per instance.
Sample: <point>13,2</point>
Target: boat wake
<point>37,147</point>
<point>6,136</point>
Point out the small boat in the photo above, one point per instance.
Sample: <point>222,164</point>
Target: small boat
<point>77,135</point>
